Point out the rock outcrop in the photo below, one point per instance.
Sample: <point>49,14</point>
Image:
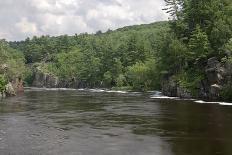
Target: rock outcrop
<point>10,91</point>
<point>171,88</point>
<point>14,85</point>
<point>48,80</point>
<point>218,76</point>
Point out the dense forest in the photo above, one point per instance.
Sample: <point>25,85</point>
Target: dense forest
<point>122,58</point>
<point>139,57</point>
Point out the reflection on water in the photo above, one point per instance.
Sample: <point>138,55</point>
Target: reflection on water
<point>111,123</point>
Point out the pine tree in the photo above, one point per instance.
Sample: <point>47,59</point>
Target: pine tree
<point>173,8</point>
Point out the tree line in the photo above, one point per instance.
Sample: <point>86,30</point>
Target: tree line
<point>140,57</point>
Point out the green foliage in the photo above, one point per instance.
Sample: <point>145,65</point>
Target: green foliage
<point>140,56</point>
<point>3,83</point>
<point>137,75</point>
<point>228,48</point>
<point>96,59</point>
<point>199,44</point>
<point>190,80</point>
<point>200,29</point>
<point>121,80</point>
<point>173,7</point>
<point>173,55</point>
<point>107,78</point>
<point>76,64</point>
<point>143,76</point>
<point>29,77</point>
<point>13,60</point>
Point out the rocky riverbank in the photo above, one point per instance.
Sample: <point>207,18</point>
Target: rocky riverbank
<point>9,86</point>
<point>218,78</point>
<point>215,85</point>
<point>12,88</point>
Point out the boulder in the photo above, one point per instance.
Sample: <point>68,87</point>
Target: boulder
<point>10,90</point>
<point>18,85</point>
<point>214,71</point>
<point>215,90</point>
<point>169,87</point>
<point>183,93</point>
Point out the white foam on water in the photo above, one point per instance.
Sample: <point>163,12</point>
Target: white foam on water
<point>55,89</point>
<point>48,89</point>
<point>107,91</point>
<point>200,101</point>
<point>221,103</point>
<point>82,89</point>
<point>224,103</point>
<point>158,95</point>
<point>115,91</point>
<point>164,97</point>
<point>96,90</point>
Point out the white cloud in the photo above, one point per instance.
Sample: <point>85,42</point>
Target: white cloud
<point>23,18</point>
<point>24,26</point>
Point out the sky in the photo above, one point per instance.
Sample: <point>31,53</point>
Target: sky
<point>26,18</point>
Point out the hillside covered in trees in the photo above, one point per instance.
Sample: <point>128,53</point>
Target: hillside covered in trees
<point>189,56</point>
<point>122,58</point>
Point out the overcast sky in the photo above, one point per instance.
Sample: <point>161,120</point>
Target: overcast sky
<point>25,18</point>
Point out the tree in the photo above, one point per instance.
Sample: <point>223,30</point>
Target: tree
<point>174,8</point>
<point>107,79</point>
<point>3,83</point>
<point>199,45</point>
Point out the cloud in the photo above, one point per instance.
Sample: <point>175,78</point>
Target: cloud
<point>26,27</point>
<point>25,18</point>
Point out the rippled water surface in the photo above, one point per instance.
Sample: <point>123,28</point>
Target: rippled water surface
<point>72,122</point>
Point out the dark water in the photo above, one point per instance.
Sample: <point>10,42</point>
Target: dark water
<point>91,123</point>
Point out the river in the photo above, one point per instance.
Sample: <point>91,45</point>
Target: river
<point>94,122</point>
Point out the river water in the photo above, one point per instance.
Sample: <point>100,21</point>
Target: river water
<point>88,122</point>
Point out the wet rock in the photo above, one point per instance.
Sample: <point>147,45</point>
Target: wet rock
<point>18,85</point>
<point>48,80</point>
<point>44,79</point>
<point>218,76</point>
<point>169,87</point>
<point>183,93</point>
<point>214,71</point>
<point>215,91</point>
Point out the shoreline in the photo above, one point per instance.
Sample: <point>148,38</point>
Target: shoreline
<point>154,94</point>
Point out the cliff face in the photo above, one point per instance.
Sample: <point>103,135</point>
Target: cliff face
<point>47,80</point>
<point>218,79</point>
